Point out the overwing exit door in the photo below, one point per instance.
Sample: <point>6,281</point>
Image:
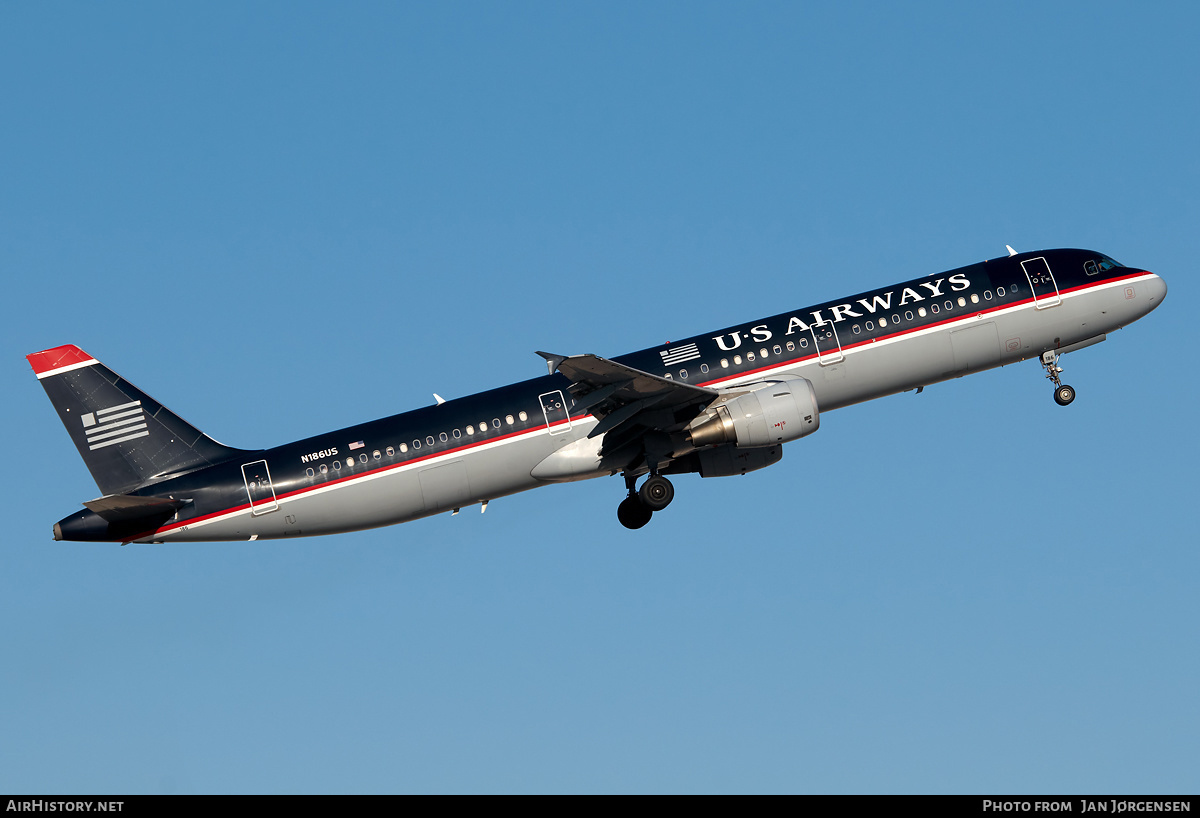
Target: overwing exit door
<point>556,412</point>
<point>829,346</point>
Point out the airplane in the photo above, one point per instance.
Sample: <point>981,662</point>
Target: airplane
<point>718,404</point>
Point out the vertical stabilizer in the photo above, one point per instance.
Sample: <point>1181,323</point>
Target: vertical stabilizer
<point>126,438</point>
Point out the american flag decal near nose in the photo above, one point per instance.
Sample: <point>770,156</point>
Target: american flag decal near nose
<point>678,355</point>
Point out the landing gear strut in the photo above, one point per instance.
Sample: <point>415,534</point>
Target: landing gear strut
<point>639,506</point>
<point>1063,394</point>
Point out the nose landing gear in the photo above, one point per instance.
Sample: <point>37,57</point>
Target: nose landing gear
<point>1063,394</point>
<point>639,506</point>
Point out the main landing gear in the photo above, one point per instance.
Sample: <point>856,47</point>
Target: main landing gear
<point>637,508</point>
<point>1063,394</point>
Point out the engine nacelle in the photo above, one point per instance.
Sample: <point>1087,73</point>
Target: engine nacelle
<point>776,412</point>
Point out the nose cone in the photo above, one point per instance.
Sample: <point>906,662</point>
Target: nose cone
<point>1157,291</point>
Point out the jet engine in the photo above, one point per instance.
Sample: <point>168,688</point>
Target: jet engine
<point>775,412</point>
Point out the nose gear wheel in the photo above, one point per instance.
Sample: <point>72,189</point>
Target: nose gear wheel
<point>1063,394</point>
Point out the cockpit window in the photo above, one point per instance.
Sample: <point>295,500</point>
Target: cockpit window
<point>1100,265</point>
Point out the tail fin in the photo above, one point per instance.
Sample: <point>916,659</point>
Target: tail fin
<point>126,438</point>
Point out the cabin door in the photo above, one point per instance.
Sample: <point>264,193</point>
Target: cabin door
<point>258,487</point>
<point>1041,281</point>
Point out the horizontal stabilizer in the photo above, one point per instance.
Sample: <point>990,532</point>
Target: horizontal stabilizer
<point>118,508</point>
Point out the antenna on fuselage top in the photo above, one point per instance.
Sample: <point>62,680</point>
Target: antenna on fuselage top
<point>1011,252</point>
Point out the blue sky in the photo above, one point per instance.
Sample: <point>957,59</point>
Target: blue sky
<point>284,218</point>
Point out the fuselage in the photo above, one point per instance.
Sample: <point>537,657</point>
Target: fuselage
<point>475,449</point>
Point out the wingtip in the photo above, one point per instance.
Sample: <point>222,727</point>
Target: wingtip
<point>552,360</point>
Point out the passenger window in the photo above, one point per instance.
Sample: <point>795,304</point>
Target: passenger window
<point>311,473</point>
<point>737,359</point>
<point>791,346</point>
<point>683,374</point>
<point>987,295</point>
<point>509,420</point>
<point>882,321</point>
<point>403,448</point>
<point>870,326</point>
<point>962,302</point>
<point>416,444</point>
<point>704,369</point>
<point>522,416</point>
<point>857,329</point>
<point>1000,291</point>
<point>895,319</point>
<point>949,305</point>
<point>470,430</point>
<point>362,458</point>
<point>933,308</point>
<point>724,363</point>
<point>496,422</point>
<point>457,434</point>
<point>324,470</point>
<point>762,352</point>
<point>777,350</point>
<point>974,298</point>
<point>350,461</point>
<point>921,311</point>
<point>375,454</point>
<point>908,315</point>
<point>391,452</point>
<point>337,465</point>
<point>749,356</point>
<point>442,436</point>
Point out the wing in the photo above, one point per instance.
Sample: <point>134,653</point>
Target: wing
<point>642,416</point>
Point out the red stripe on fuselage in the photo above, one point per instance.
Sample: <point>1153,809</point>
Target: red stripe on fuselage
<point>351,477</point>
<point>971,313</point>
<point>975,313</point>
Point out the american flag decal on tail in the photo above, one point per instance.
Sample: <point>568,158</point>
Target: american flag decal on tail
<point>678,355</point>
<point>116,424</point>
